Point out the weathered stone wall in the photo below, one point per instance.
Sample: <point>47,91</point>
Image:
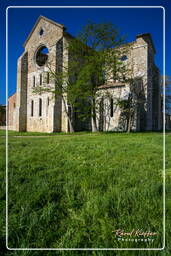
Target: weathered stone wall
<point>50,120</point>
<point>21,101</point>
<point>136,64</point>
<point>140,63</point>
<point>156,102</point>
<point>139,66</point>
<point>150,90</point>
<point>53,117</point>
<point>106,122</point>
<point>58,100</point>
<point>64,102</point>
<point>11,112</point>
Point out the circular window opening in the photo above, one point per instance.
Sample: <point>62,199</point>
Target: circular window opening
<point>41,32</point>
<point>124,57</point>
<point>42,56</point>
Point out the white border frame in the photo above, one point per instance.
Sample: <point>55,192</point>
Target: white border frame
<point>87,249</point>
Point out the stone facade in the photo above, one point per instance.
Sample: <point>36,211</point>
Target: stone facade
<point>140,60</point>
<point>46,34</point>
<point>12,112</point>
<point>45,113</point>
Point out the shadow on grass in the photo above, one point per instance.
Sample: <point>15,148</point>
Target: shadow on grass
<point>15,133</point>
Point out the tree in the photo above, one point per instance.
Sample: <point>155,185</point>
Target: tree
<point>100,54</point>
<point>133,99</point>
<point>93,53</point>
<point>128,107</point>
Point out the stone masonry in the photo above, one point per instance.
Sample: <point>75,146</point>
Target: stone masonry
<point>140,59</point>
<point>45,113</point>
<point>12,112</point>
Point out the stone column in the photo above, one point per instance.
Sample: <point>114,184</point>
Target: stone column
<point>21,102</point>
<point>18,96</point>
<point>150,91</point>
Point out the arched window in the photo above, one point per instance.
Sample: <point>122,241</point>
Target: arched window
<point>42,56</point>
<point>32,108</point>
<point>123,58</point>
<point>41,31</point>
<point>47,77</point>
<point>40,107</point>
<point>40,79</point>
<point>34,80</point>
<point>111,107</point>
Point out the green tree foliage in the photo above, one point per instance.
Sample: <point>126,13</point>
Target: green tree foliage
<point>132,100</point>
<point>93,57</point>
<point>98,52</point>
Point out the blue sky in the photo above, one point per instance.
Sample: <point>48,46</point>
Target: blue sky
<point>130,22</point>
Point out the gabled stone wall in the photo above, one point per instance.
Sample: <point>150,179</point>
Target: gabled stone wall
<point>49,35</point>
<point>140,63</point>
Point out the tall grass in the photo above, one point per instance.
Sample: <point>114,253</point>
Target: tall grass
<point>73,191</point>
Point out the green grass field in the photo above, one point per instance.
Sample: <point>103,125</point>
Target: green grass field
<point>72,191</point>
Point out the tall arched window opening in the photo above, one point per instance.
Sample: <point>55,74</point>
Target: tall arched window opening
<point>40,107</point>
<point>42,56</point>
<point>40,79</point>
<point>111,107</point>
<point>47,77</point>
<point>34,81</point>
<point>32,108</point>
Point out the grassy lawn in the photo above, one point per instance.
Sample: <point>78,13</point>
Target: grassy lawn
<point>72,191</point>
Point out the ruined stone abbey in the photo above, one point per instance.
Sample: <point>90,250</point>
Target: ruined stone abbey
<point>28,111</point>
